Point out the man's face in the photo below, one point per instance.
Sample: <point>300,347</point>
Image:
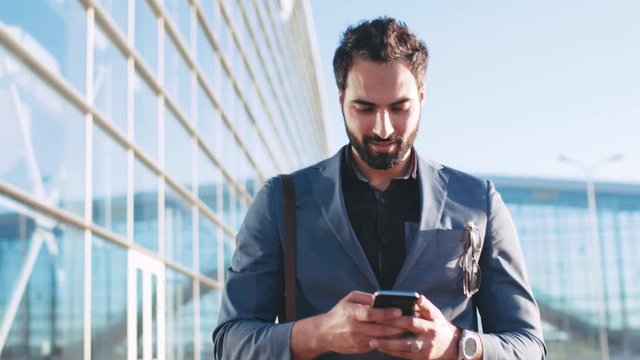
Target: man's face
<point>381,106</point>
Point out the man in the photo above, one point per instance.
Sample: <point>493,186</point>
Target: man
<point>377,216</point>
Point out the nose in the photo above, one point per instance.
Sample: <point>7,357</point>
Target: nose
<point>383,127</point>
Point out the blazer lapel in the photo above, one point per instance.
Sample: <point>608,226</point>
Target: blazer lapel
<point>326,185</point>
<point>433,190</point>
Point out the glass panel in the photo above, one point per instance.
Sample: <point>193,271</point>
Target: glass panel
<point>109,183</point>
<point>59,43</point>
<point>49,320</point>
<point>146,117</point>
<point>211,11</point>
<point>140,313</point>
<point>208,242</point>
<point>108,300</point>
<point>110,81</point>
<point>228,203</point>
<point>178,228</point>
<point>154,316</point>
<point>178,151</point>
<point>180,15</point>
<point>117,9</point>
<point>209,122</point>
<point>179,316</point>
<point>209,309</point>
<point>146,37</point>
<point>177,77</point>
<point>145,207</point>
<point>209,182</point>
<point>32,114</point>
<point>207,59</point>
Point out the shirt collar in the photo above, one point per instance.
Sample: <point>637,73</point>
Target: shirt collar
<point>411,173</point>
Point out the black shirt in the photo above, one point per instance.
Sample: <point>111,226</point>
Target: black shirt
<point>378,217</point>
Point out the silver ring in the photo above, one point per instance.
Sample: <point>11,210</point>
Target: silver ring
<point>416,345</point>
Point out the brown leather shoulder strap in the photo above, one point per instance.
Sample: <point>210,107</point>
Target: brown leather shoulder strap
<point>289,213</point>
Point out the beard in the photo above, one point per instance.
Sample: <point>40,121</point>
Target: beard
<point>382,161</point>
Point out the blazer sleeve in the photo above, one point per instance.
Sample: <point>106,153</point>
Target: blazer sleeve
<point>510,316</point>
<point>253,292</point>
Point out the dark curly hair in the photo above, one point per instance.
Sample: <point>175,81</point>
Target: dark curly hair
<point>383,39</point>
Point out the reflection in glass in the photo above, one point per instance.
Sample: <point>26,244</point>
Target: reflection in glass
<point>146,34</point>
<point>177,77</point>
<point>145,207</point>
<point>209,309</point>
<point>109,183</point>
<point>208,252</point>
<point>108,300</point>
<point>179,316</point>
<point>178,159</point>
<point>146,117</point>
<point>32,114</point>
<point>109,81</point>
<point>49,320</point>
<point>178,228</point>
<point>59,43</point>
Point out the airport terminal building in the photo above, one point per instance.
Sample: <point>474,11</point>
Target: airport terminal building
<point>134,135</point>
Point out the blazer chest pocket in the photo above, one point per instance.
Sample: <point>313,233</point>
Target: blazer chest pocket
<point>450,245</point>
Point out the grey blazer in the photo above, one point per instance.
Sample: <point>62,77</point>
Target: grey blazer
<point>331,263</point>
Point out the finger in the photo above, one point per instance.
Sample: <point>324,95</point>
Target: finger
<point>392,345</point>
<point>368,314</point>
<point>427,310</point>
<point>359,297</point>
<point>412,324</point>
<point>378,331</point>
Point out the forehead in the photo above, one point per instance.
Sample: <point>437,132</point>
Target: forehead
<point>380,82</point>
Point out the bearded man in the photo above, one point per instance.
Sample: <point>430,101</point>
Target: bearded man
<point>378,216</point>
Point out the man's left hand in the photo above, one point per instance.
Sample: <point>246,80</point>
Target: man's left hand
<point>434,336</point>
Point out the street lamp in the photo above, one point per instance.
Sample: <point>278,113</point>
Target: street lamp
<point>595,243</point>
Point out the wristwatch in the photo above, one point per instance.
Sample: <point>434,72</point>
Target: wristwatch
<point>468,346</point>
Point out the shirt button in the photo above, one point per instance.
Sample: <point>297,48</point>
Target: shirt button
<point>382,200</point>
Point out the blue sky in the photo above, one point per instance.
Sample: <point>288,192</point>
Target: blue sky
<point>511,85</point>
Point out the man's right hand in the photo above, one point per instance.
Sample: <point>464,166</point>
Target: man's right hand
<point>347,328</point>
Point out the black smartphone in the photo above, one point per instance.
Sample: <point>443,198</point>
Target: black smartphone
<point>403,300</point>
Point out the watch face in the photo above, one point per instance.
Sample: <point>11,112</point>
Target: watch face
<point>469,347</point>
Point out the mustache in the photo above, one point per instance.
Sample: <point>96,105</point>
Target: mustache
<point>374,138</point>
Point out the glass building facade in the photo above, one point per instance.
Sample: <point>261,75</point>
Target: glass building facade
<point>553,220</point>
<point>133,136</point>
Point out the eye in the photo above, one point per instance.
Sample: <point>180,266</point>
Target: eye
<point>365,109</point>
<point>400,108</point>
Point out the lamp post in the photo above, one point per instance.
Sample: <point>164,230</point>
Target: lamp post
<point>589,171</point>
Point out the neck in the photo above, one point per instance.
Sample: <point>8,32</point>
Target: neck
<point>380,179</point>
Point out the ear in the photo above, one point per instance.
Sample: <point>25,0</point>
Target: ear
<point>421,96</point>
<point>341,97</point>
